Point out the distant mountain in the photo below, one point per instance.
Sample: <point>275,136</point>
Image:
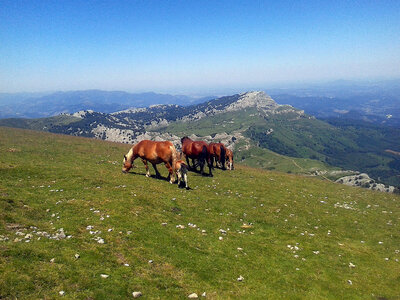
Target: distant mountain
<point>37,106</point>
<point>377,102</point>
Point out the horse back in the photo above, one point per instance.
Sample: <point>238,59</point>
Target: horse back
<point>156,152</point>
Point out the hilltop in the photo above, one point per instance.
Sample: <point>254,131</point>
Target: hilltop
<point>69,216</point>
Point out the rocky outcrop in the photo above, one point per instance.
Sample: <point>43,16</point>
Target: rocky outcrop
<point>364,181</point>
<point>259,100</point>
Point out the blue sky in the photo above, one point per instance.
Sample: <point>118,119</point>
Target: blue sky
<point>188,46</point>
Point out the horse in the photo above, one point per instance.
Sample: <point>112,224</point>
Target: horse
<point>229,158</point>
<point>196,150</point>
<point>181,170</point>
<point>217,152</point>
<point>155,153</point>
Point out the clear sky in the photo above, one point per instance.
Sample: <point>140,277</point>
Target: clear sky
<point>175,46</point>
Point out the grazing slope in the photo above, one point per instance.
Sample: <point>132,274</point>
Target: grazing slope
<point>251,123</point>
<point>304,236</point>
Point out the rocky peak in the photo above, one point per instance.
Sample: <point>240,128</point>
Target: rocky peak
<point>253,99</point>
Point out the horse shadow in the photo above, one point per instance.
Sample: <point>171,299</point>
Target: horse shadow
<point>180,184</point>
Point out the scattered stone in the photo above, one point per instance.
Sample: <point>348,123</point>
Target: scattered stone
<point>193,296</point>
<point>137,294</point>
<point>220,238</point>
<point>110,229</point>
<point>245,226</point>
<point>204,294</point>
<point>349,282</point>
<point>164,224</point>
<point>77,256</point>
<point>104,275</point>
<point>150,261</point>
<point>100,241</point>
<point>62,293</point>
<point>351,265</point>
<point>126,265</point>
<point>240,278</point>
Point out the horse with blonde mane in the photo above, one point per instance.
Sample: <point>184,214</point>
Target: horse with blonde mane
<point>155,153</point>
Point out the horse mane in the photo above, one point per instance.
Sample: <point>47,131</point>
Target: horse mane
<point>185,138</point>
<point>129,155</point>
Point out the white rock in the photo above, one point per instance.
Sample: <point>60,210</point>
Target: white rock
<point>349,282</point>
<point>220,238</point>
<point>204,294</point>
<point>136,294</point>
<point>100,241</point>
<point>351,265</point>
<point>240,278</point>
<point>77,255</point>
<point>104,275</point>
<point>193,296</point>
<point>62,293</point>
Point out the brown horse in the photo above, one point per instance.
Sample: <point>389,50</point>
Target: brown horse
<point>181,170</point>
<point>196,150</point>
<point>155,153</point>
<point>229,158</point>
<point>217,153</point>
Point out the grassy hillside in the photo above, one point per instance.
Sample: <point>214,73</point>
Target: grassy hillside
<point>357,146</point>
<point>304,236</point>
<point>43,124</point>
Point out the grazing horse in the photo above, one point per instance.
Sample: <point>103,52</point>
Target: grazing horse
<point>229,158</point>
<point>196,150</point>
<point>217,152</point>
<point>181,170</point>
<point>155,153</point>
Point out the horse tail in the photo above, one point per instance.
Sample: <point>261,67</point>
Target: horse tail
<point>174,156</point>
<point>223,156</point>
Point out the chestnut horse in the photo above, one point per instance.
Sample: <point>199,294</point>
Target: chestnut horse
<point>217,152</point>
<point>196,150</point>
<point>155,153</point>
<point>229,158</point>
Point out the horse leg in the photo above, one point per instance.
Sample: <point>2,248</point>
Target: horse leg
<point>171,173</point>
<point>158,175</point>
<point>187,161</point>
<point>202,163</point>
<point>209,167</point>
<point>147,167</point>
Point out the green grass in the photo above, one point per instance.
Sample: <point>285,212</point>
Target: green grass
<point>284,210</point>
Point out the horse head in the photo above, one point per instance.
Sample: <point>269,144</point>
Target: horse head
<point>184,139</point>
<point>127,165</point>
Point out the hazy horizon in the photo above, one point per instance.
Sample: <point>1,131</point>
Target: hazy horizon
<point>194,47</point>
